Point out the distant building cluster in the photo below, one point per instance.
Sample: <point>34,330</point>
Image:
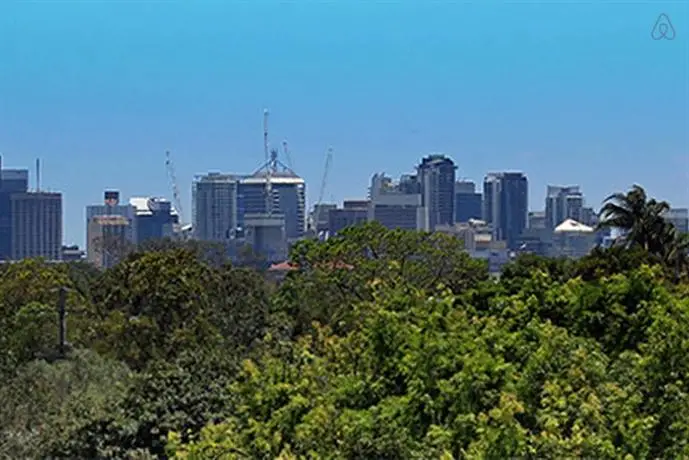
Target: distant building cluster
<point>114,226</point>
<point>266,212</point>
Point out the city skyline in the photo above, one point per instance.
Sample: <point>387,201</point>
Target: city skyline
<point>460,181</point>
<point>566,93</point>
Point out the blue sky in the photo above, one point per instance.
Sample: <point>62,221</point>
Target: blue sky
<point>568,92</point>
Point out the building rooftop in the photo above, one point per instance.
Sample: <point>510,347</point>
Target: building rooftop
<point>572,226</point>
<point>278,177</point>
<point>146,205</point>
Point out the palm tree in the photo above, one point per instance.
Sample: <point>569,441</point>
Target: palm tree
<point>639,218</point>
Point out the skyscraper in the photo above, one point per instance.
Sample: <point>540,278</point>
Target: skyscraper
<point>468,203</point>
<point>11,181</point>
<point>216,207</point>
<point>154,218</point>
<point>436,176</point>
<point>394,207</point>
<point>110,228</point>
<point>288,198</point>
<point>505,205</point>
<point>563,203</point>
<point>30,222</point>
<point>36,225</point>
<point>109,236</point>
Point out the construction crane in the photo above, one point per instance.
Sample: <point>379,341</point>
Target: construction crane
<point>288,155</point>
<point>173,184</point>
<point>324,182</point>
<point>326,170</point>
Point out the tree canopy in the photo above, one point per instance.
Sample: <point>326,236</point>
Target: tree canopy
<point>378,344</point>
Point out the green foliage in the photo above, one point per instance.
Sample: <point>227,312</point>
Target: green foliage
<point>381,344</point>
<point>48,403</point>
<point>341,271</point>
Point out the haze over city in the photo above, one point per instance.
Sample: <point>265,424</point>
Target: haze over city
<point>567,93</point>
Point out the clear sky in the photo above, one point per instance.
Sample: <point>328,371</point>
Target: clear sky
<point>568,92</point>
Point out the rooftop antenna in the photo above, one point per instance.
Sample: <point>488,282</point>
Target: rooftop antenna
<point>269,164</point>
<point>38,174</point>
<point>265,134</point>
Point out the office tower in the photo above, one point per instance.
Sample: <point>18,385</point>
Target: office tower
<point>110,227</point>
<point>108,237</point>
<point>353,212</point>
<point>154,219</point>
<point>30,222</point>
<point>215,208</point>
<point>679,217</point>
<point>288,198</point>
<point>468,203</point>
<point>563,203</point>
<point>36,225</point>
<point>505,205</point>
<point>11,181</point>
<point>394,208</point>
<point>436,176</point>
<point>265,234</point>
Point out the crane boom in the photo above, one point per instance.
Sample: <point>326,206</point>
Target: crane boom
<point>288,155</point>
<point>326,170</point>
<point>173,183</point>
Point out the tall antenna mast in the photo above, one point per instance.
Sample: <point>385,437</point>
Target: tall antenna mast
<point>269,165</point>
<point>265,135</point>
<point>38,174</point>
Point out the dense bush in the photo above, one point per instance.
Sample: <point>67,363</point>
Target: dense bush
<point>381,344</point>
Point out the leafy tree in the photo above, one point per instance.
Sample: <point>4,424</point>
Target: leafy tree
<point>378,344</point>
<point>183,395</point>
<point>47,403</point>
<point>210,252</point>
<point>28,310</point>
<point>154,304</point>
<point>642,219</point>
<point>334,274</point>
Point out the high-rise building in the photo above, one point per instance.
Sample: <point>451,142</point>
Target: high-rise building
<point>216,212</point>
<point>468,203</point>
<point>11,181</point>
<point>288,198</point>
<point>505,205</point>
<point>36,225</point>
<point>110,227</point>
<point>108,236</point>
<point>562,203</point>
<point>30,222</point>
<point>436,176</point>
<point>154,218</point>
<point>394,208</point>
<point>265,234</point>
